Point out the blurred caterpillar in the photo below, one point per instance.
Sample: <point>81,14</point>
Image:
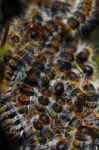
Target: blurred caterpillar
<point>91,24</point>
<point>48,107</point>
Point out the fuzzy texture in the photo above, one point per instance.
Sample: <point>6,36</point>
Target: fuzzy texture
<point>91,24</point>
<point>49,94</point>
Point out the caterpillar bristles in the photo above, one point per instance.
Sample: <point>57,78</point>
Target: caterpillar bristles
<point>90,25</point>
<point>49,90</point>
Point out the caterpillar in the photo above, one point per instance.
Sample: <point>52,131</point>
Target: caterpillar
<point>91,23</point>
<point>54,105</point>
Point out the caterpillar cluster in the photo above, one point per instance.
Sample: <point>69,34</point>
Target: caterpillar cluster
<point>49,98</point>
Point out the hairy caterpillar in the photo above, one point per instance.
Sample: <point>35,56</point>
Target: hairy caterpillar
<point>58,95</point>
